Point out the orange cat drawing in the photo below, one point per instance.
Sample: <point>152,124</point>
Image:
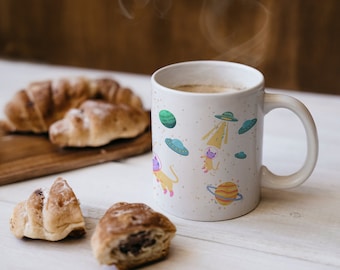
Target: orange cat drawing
<point>208,161</point>
<point>165,181</point>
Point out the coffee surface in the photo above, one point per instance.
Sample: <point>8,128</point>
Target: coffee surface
<point>200,88</point>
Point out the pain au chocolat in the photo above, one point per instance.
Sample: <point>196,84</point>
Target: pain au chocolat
<point>130,235</point>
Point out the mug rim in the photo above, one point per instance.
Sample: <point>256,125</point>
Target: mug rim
<point>244,90</point>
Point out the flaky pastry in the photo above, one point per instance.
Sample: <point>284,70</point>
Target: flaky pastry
<point>130,235</point>
<point>96,123</point>
<point>42,103</point>
<point>49,214</point>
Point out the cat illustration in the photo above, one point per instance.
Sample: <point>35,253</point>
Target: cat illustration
<point>208,161</point>
<point>165,181</point>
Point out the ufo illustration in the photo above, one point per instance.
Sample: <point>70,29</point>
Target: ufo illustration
<point>226,116</point>
<point>240,155</point>
<point>225,193</point>
<point>219,133</point>
<point>177,146</point>
<point>247,125</point>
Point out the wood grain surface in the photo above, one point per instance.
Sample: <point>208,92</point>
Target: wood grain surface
<point>24,156</point>
<point>294,43</point>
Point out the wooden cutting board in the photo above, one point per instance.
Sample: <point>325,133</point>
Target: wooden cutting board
<point>24,156</point>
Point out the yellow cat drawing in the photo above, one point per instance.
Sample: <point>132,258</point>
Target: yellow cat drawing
<point>165,181</point>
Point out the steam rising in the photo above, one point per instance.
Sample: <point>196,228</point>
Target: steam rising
<point>236,29</point>
<point>130,8</point>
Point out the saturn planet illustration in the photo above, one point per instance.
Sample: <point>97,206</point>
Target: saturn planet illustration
<point>225,193</point>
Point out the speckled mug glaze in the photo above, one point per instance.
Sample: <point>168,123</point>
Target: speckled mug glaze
<point>207,147</point>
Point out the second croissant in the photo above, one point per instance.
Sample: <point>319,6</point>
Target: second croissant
<point>96,123</point>
<point>76,113</point>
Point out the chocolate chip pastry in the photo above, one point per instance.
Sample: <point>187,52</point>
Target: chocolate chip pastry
<point>130,235</point>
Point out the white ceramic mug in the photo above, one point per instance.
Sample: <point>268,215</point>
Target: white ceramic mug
<point>207,139</point>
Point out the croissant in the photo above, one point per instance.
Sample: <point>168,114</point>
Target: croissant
<point>96,123</point>
<point>49,215</point>
<point>37,107</point>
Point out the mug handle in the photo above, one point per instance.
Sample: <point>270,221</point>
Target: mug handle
<point>271,180</point>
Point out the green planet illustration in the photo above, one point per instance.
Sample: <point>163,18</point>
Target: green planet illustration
<point>167,118</point>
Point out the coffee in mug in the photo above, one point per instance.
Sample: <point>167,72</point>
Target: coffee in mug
<point>201,88</point>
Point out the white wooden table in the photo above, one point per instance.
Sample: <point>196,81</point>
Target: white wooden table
<point>290,229</point>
